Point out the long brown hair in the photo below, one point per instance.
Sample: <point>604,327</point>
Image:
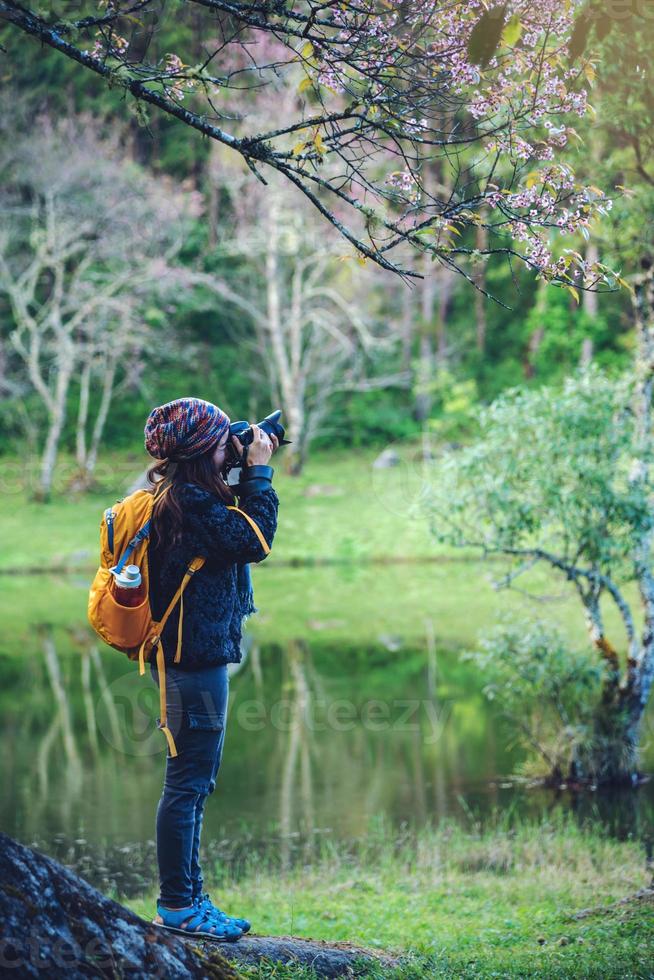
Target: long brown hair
<point>166,475</point>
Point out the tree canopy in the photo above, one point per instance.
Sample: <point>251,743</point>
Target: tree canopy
<point>384,92</point>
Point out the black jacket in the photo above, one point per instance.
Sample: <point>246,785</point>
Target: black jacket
<point>211,630</point>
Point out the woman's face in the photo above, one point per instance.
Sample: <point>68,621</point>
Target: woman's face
<point>220,452</point>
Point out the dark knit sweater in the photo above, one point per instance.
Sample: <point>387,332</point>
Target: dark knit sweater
<point>211,631</point>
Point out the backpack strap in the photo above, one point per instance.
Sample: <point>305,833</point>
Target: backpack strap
<point>140,535</point>
<point>155,641</point>
<point>163,718</point>
<point>193,567</point>
<point>255,528</point>
<point>109,521</point>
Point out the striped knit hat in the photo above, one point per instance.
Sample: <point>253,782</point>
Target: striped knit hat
<point>184,428</point>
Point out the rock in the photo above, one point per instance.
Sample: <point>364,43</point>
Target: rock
<point>54,924</point>
<point>386,459</point>
<point>327,959</point>
<point>323,490</point>
<point>392,643</point>
<point>424,456</point>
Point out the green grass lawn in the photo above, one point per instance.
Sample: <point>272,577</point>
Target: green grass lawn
<point>339,508</point>
<point>494,903</point>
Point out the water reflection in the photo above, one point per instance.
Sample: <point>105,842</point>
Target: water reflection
<point>322,739</point>
<point>295,748</point>
<point>61,709</point>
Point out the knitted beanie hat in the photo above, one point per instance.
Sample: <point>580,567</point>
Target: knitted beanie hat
<point>184,428</point>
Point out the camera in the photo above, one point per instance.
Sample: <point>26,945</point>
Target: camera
<point>245,434</point>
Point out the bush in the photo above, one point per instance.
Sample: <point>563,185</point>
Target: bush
<point>547,692</point>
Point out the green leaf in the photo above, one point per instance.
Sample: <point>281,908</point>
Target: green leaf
<point>485,36</point>
<point>512,31</point>
<point>625,285</point>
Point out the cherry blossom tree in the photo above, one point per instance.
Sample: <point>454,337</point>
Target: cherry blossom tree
<point>387,88</point>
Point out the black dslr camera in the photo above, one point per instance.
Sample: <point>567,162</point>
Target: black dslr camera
<point>245,434</point>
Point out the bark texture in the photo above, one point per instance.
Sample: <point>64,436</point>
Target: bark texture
<point>55,924</point>
<point>326,959</point>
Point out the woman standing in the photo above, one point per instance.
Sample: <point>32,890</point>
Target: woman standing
<point>189,438</point>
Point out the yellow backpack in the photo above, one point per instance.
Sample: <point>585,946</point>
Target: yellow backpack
<point>124,532</point>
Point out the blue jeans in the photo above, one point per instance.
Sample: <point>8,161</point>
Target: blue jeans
<point>196,702</point>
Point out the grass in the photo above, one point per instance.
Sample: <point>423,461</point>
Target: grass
<point>457,902</point>
<point>325,513</point>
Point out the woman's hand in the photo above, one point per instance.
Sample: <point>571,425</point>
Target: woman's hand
<point>260,449</point>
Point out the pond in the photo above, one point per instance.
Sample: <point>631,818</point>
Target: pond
<point>333,724</point>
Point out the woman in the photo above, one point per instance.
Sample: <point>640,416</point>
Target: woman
<point>189,437</point>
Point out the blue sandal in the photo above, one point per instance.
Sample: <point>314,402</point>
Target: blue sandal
<point>204,904</point>
<point>197,922</point>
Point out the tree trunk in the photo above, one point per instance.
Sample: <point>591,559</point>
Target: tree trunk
<point>537,335</point>
<point>213,195</point>
<point>87,453</point>
<point>590,307</point>
<point>586,354</point>
<point>445,289</point>
<point>613,756</point>
<point>426,365</point>
<point>424,375</point>
<point>407,326</point>
<point>590,299</point>
<point>276,334</point>
<point>101,417</point>
<point>640,663</point>
<point>614,752</point>
<point>83,411</point>
<point>480,281</point>
<point>57,420</point>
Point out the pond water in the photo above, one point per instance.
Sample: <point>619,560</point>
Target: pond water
<point>325,737</point>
